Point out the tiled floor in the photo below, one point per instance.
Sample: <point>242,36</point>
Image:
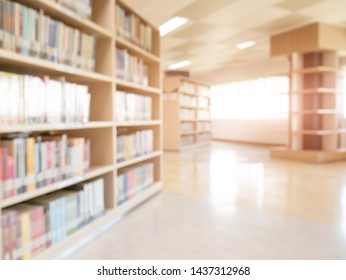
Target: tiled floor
<point>232,201</point>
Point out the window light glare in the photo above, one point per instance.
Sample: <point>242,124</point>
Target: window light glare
<point>172,24</point>
<point>178,65</point>
<point>245,45</point>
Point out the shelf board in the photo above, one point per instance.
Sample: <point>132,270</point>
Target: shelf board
<point>129,85</point>
<point>139,52</point>
<point>316,132</point>
<point>138,159</point>
<point>48,67</point>
<point>138,123</point>
<point>203,120</point>
<point>53,127</point>
<point>190,94</point>
<point>92,173</point>
<point>318,111</point>
<point>59,12</point>
<point>318,69</point>
<point>186,120</point>
<point>203,131</point>
<point>316,90</point>
<point>188,132</point>
<point>73,242</point>
<point>188,107</point>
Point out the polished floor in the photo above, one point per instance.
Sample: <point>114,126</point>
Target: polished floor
<point>232,201</point>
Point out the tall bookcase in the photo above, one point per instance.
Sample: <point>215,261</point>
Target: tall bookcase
<point>186,115</point>
<point>316,117</point>
<point>104,124</point>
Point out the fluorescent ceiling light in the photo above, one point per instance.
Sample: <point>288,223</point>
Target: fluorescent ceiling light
<point>172,24</point>
<point>245,45</point>
<point>180,64</point>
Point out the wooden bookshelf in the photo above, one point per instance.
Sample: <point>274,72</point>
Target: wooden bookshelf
<point>316,119</point>
<point>102,129</point>
<point>186,117</point>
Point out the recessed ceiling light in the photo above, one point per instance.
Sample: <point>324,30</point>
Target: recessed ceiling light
<point>245,45</point>
<point>172,24</point>
<point>180,64</point>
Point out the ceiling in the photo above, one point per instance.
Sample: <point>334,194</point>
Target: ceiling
<point>216,26</point>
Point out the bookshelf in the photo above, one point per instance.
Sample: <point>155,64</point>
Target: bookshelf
<point>316,119</point>
<point>104,125</point>
<point>186,116</point>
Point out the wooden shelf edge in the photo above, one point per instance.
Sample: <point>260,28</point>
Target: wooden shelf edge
<point>316,90</point>
<point>130,85</point>
<point>55,127</point>
<point>316,132</point>
<point>38,63</point>
<point>138,123</point>
<point>138,159</point>
<point>92,173</point>
<point>97,227</point>
<point>317,69</point>
<point>67,16</point>
<point>143,54</point>
<point>319,111</point>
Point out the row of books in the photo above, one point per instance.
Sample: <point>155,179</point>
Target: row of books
<point>203,137</point>
<point>31,227</point>
<point>132,28</point>
<point>134,144</point>
<point>34,100</point>
<point>203,102</point>
<point>30,163</point>
<point>81,7</point>
<point>29,32</point>
<point>187,126</point>
<point>203,114</point>
<point>186,100</point>
<point>134,180</point>
<point>187,114</point>
<point>186,140</point>
<point>187,87</point>
<point>204,126</point>
<point>133,107</point>
<point>203,90</point>
<point>130,68</point>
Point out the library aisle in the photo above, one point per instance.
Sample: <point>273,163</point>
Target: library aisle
<point>232,201</point>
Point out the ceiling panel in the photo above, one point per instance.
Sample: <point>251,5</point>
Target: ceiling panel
<point>202,8</point>
<point>282,23</point>
<point>218,33</point>
<point>216,26</point>
<point>295,5</point>
<point>325,8</point>
<point>171,42</point>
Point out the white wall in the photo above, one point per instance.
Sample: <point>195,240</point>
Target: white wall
<point>254,131</point>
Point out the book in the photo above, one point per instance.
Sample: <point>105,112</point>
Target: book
<point>130,27</point>
<point>133,180</point>
<point>36,100</point>
<point>134,144</point>
<point>131,68</point>
<point>133,107</point>
<point>30,163</point>
<point>32,33</point>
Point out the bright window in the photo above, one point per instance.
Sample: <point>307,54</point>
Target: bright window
<point>254,99</point>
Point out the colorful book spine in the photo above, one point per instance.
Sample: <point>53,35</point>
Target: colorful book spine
<point>136,144</point>
<point>29,32</point>
<point>29,163</point>
<point>133,180</point>
<point>133,107</point>
<point>130,27</point>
